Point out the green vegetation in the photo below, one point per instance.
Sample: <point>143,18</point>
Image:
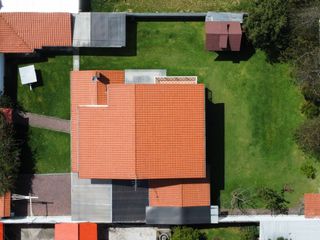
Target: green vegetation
<point>168,5</point>
<point>9,152</point>
<point>308,137</point>
<point>187,233</point>
<point>267,26</point>
<point>231,233</point>
<point>273,200</point>
<point>309,170</point>
<point>51,151</point>
<point>262,105</point>
<point>52,96</point>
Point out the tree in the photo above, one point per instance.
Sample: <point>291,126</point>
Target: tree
<point>187,233</point>
<point>267,26</point>
<point>274,201</point>
<point>307,73</point>
<point>9,156</point>
<point>241,199</point>
<point>308,137</point>
<point>249,233</point>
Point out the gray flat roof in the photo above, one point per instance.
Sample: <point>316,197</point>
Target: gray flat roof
<point>308,229</point>
<point>224,16</point>
<point>143,76</point>
<point>99,30</point>
<point>91,200</point>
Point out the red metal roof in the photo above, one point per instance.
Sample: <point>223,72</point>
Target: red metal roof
<point>88,231</point>
<point>5,205</point>
<point>179,193</point>
<point>66,231</point>
<point>145,132</point>
<point>312,205</point>
<point>222,36</point>
<point>1,231</point>
<point>25,32</point>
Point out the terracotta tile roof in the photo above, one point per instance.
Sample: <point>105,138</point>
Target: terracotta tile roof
<point>145,132</point>
<point>312,205</point>
<point>84,91</point>
<point>66,231</point>
<point>25,32</point>
<point>179,193</point>
<point>176,80</point>
<point>5,205</point>
<point>88,231</point>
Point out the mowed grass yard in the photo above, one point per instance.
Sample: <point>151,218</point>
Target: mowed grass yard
<point>168,5</point>
<point>231,233</point>
<point>51,150</point>
<point>261,104</point>
<point>52,97</point>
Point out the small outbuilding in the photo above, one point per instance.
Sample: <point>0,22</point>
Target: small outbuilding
<point>223,31</point>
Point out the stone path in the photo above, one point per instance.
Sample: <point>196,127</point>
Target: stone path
<point>51,123</point>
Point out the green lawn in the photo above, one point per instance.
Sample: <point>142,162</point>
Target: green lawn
<point>53,97</point>
<point>261,104</point>
<point>231,233</point>
<point>51,150</point>
<point>168,5</point>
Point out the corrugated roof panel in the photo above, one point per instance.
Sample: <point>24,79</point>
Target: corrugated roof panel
<point>66,231</point>
<point>88,231</point>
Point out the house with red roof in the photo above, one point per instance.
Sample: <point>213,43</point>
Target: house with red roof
<point>147,140</point>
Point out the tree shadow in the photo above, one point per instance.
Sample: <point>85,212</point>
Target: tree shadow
<point>246,52</point>
<point>215,146</point>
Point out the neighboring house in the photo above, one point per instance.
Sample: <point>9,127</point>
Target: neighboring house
<point>149,139</point>
<point>28,32</point>
<point>69,6</point>
<point>223,31</point>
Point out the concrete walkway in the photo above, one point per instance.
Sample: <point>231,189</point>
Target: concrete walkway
<point>51,123</point>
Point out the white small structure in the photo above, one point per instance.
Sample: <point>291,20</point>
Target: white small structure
<point>1,73</point>
<point>28,75</point>
<point>69,6</point>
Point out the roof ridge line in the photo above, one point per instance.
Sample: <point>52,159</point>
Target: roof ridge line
<point>16,33</point>
<point>135,133</point>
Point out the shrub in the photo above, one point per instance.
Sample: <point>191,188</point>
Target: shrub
<point>307,137</point>
<point>9,156</point>
<point>310,110</point>
<point>249,233</point>
<point>309,170</point>
<point>273,200</point>
<point>187,233</point>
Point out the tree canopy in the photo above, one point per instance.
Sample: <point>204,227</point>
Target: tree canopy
<point>267,26</point>
<point>9,154</point>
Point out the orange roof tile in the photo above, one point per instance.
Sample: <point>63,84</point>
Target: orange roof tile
<point>179,193</point>
<point>145,131</point>
<point>84,91</point>
<point>25,32</point>
<point>88,231</point>
<point>312,205</point>
<point>5,205</point>
<point>66,231</point>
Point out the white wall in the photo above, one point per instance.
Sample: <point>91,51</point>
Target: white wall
<point>1,73</point>
<point>71,6</point>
